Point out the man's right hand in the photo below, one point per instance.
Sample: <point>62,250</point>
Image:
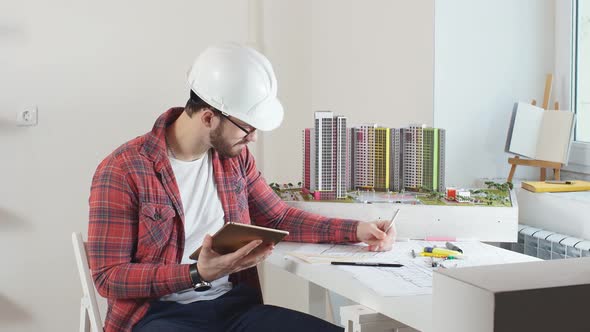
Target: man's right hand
<point>212,265</point>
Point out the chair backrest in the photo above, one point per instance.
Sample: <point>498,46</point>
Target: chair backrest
<point>89,311</point>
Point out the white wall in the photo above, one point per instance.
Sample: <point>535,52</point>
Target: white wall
<point>488,55</point>
<point>100,73</point>
<point>371,61</point>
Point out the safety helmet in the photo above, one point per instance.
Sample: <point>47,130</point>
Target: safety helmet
<point>240,82</point>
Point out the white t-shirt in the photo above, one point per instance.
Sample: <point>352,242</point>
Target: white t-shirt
<point>203,214</point>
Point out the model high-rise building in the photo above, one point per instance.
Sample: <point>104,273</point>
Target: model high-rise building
<point>308,179</point>
<point>413,158</point>
<point>441,159</point>
<point>382,158</point>
<point>396,173</point>
<point>325,156</point>
<point>433,159</point>
<point>349,160</point>
<point>430,158</point>
<point>364,158</point>
<point>340,146</point>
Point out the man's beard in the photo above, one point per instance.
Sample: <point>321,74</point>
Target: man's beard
<point>225,149</point>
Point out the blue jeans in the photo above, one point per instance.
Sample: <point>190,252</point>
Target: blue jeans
<point>237,310</point>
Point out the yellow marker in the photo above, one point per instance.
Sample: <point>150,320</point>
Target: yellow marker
<point>442,251</point>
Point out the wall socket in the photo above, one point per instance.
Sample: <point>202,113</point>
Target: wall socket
<point>27,116</point>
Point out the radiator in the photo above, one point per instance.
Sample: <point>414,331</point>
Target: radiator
<point>545,244</point>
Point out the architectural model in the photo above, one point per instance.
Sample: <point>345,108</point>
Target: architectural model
<point>338,160</point>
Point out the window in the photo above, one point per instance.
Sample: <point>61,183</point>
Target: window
<point>581,75</point>
<point>571,85</point>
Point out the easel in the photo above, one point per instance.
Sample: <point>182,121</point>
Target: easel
<point>538,163</point>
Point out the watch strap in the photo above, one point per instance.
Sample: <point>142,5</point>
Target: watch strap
<point>199,284</point>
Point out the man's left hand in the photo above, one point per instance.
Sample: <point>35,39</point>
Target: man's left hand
<point>373,234</point>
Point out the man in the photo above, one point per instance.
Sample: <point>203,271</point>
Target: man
<point>157,198</point>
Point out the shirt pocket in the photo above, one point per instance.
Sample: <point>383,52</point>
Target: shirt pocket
<point>156,223</point>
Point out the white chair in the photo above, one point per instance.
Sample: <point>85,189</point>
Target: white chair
<point>90,320</point>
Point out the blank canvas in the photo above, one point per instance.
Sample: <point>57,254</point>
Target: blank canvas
<point>539,134</point>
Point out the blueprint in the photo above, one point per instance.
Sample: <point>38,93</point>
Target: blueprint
<point>415,277</point>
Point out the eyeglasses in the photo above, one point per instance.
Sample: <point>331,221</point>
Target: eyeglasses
<point>248,132</point>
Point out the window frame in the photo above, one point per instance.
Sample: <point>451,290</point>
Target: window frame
<point>565,22</point>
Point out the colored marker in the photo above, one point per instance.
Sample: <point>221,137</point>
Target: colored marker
<point>451,246</point>
<point>442,251</point>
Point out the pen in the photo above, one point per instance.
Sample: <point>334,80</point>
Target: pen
<point>367,264</point>
<point>392,221</point>
<point>451,246</point>
<point>559,182</point>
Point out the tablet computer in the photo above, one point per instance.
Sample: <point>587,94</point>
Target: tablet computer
<point>233,236</point>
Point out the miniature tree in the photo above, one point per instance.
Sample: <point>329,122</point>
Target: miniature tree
<point>425,189</point>
<point>506,186</point>
<point>490,184</point>
<point>434,195</point>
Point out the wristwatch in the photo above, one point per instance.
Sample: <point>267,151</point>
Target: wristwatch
<point>199,284</point>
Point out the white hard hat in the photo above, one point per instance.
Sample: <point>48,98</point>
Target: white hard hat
<point>239,81</point>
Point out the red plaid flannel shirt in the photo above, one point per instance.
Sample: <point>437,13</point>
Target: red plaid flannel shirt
<point>136,228</point>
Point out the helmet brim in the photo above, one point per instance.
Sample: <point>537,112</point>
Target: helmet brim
<point>266,116</point>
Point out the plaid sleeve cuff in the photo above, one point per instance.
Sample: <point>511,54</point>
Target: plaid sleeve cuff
<point>346,230</point>
<point>177,278</point>
<point>184,277</point>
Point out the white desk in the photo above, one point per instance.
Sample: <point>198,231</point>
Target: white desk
<point>413,311</point>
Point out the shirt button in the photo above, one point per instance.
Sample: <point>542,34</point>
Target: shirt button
<point>157,216</point>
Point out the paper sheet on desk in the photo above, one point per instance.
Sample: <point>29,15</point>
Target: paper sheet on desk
<point>415,278</point>
<point>324,254</point>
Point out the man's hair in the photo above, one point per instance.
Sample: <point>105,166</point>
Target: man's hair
<point>195,104</point>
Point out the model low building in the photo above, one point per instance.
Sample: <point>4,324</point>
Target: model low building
<point>463,196</point>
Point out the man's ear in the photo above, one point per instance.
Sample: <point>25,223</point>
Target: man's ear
<point>208,118</point>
